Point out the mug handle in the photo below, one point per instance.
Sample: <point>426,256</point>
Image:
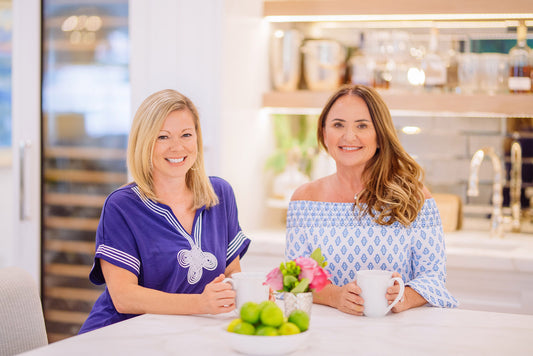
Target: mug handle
<point>230,281</point>
<point>400,294</point>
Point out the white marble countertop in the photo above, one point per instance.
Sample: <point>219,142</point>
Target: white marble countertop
<point>464,249</point>
<point>477,250</point>
<point>420,331</point>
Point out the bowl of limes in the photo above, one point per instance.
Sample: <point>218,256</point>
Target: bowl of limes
<point>262,329</point>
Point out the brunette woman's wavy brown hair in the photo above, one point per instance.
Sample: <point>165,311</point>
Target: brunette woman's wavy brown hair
<point>145,128</point>
<point>393,189</point>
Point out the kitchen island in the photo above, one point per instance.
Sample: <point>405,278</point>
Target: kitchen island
<point>483,273</point>
<point>419,331</point>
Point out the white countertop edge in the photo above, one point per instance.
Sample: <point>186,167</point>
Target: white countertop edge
<point>464,249</point>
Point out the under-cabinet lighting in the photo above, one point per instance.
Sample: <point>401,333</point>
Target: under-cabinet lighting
<point>416,76</point>
<point>270,110</point>
<point>397,17</point>
<point>411,130</point>
<point>426,24</point>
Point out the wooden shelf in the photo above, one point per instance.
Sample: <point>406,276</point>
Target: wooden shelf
<point>489,9</point>
<point>61,316</point>
<point>69,223</point>
<point>509,105</point>
<point>68,293</point>
<point>67,270</point>
<point>84,176</point>
<point>66,199</point>
<point>71,246</point>
<point>77,152</point>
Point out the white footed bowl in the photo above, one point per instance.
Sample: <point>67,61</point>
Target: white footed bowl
<point>266,345</point>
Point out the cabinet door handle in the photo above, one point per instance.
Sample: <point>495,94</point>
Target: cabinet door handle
<point>23,145</point>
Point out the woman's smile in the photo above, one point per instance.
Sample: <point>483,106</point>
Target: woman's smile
<point>176,160</point>
<point>350,148</point>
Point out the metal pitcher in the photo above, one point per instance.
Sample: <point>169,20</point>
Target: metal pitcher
<point>285,59</point>
<point>324,63</point>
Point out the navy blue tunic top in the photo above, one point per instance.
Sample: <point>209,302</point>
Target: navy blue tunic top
<point>145,238</point>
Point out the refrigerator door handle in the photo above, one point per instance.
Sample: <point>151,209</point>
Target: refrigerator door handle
<point>23,146</point>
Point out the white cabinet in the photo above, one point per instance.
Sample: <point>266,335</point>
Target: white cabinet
<point>482,273</point>
<point>344,15</point>
<point>499,291</point>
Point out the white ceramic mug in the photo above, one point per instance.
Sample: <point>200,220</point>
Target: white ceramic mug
<point>374,284</point>
<point>248,287</point>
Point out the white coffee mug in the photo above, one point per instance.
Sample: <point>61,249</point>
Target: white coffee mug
<point>249,287</point>
<point>374,284</point>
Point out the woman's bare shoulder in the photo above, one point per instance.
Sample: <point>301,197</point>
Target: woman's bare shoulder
<point>310,191</point>
<point>427,193</point>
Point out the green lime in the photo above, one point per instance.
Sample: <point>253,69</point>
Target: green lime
<point>244,328</point>
<point>232,324</point>
<point>288,329</point>
<point>250,312</point>
<point>264,303</point>
<point>300,319</point>
<point>265,330</point>
<point>272,315</point>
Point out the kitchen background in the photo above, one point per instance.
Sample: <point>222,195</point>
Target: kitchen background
<point>259,75</point>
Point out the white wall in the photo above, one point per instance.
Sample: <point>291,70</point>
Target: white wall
<point>214,52</point>
<point>245,131</point>
<point>6,216</point>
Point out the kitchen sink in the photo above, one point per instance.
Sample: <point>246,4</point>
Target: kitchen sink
<point>481,240</point>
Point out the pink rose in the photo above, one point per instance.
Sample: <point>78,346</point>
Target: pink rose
<point>307,268</point>
<point>320,279</point>
<point>275,279</point>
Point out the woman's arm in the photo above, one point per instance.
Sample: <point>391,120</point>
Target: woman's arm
<point>345,298</point>
<point>130,298</point>
<point>428,262</point>
<point>411,298</point>
<point>234,267</point>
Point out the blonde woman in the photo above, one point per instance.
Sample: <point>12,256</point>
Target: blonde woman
<point>372,213</point>
<point>166,241</point>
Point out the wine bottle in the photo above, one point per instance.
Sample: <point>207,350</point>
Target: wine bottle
<point>433,65</point>
<point>520,63</point>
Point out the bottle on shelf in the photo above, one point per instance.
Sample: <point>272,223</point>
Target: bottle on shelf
<point>402,61</point>
<point>361,65</point>
<point>433,64</point>
<point>520,63</point>
<point>452,68</point>
<point>384,64</point>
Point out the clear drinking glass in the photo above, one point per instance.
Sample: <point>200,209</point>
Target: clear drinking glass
<point>493,73</point>
<point>468,73</point>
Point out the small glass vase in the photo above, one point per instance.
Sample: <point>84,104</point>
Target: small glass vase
<point>289,302</point>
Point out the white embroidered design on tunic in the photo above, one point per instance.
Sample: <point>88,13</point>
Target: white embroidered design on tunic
<point>196,260</point>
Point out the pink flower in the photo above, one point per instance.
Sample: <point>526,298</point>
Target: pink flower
<point>275,279</point>
<point>307,268</point>
<point>320,279</point>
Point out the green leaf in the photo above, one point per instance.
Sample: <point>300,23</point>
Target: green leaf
<point>289,282</point>
<point>301,287</point>
<point>318,257</point>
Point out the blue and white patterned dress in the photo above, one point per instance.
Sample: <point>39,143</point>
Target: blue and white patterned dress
<point>351,243</point>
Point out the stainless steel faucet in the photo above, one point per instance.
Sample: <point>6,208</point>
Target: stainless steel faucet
<point>515,183</point>
<point>496,228</point>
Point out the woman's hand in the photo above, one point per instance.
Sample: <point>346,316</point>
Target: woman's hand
<point>410,299</point>
<point>349,299</point>
<point>218,297</point>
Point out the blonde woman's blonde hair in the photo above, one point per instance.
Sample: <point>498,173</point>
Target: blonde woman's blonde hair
<point>393,188</point>
<point>144,131</point>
